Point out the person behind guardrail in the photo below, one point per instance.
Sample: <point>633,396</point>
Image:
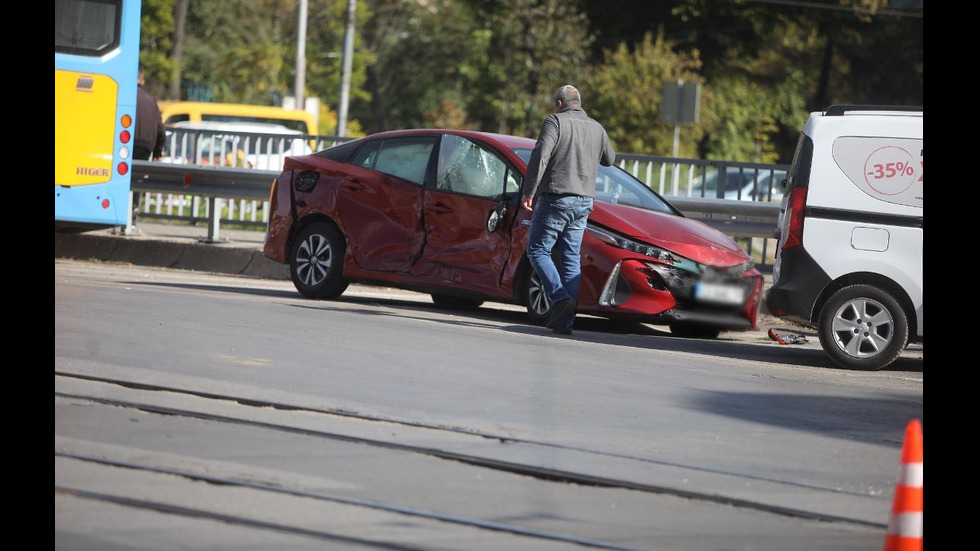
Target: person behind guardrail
<point>560,189</point>
<point>149,133</point>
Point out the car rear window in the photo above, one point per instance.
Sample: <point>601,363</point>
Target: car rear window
<point>406,158</point>
<point>340,153</point>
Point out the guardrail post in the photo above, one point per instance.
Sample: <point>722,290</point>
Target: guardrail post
<point>214,220</point>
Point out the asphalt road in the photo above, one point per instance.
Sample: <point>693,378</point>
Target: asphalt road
<point>204,411</point>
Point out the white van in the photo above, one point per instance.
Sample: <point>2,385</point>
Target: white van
<point>849,261</point>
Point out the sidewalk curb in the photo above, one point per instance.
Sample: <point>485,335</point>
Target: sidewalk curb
<point>168,254</point>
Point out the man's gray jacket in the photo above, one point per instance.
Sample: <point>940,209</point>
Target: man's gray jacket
<point>567,155</point>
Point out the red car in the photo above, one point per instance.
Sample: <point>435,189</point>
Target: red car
<point>438,211</point>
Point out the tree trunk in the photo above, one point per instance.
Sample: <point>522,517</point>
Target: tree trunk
<point>180,17</point>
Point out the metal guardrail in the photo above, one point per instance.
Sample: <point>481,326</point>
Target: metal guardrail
<point>213,183</point>
<point>745,220</point>
<point>223,190</point>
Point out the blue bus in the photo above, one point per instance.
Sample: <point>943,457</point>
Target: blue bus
<point>96,60</point>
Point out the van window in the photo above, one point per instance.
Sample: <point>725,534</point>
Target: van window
<point>888,169</point>
<point>799,171</point>
<point>192,111</point>
<point>288,123</point>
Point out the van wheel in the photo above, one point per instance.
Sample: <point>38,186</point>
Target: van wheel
<point>694,331</point>
<point>863,327</point>
<point>316,262</point>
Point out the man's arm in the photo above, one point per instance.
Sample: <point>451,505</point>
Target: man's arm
<point>161,137</point>
<point>608,156</point>
<point>540,157</point>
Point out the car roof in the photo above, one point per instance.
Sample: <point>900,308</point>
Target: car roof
<point>503,140</point>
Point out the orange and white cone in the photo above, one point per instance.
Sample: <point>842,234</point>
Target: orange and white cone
<point>904,531</point>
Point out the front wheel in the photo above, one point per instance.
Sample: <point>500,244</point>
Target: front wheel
<point>535,299</point>
<point>316,262</point>
<point>863,327</point>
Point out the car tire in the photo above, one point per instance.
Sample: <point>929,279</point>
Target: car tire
<point>535,299</point>
<point>694,331</point>
<point>316,261</point>
<point>863,327</point>
<point>456,303</point>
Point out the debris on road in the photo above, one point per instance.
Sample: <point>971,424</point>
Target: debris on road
<point>787,338</point>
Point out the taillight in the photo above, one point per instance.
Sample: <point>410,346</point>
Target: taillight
<point>124,137</point>
<point>795,206</point>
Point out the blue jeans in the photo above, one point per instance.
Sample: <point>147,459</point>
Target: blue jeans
<point>558,220</point>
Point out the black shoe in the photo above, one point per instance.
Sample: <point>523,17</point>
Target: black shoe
<point>563,330</point>
<point>559,312</point>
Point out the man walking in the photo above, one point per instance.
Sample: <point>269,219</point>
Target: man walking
<point>559,188</point>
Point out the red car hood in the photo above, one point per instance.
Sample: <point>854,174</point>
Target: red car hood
<point>689,238</point>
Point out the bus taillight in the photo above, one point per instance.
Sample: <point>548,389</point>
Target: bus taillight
<point>124,137</point>
<point>105,203</point>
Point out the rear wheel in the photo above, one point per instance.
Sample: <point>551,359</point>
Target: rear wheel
<point>694,331</point>
<point>316,262</point>
<point>456,303</point>
<point>863,327</point>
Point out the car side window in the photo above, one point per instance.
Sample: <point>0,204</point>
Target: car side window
<point>465,167</point>
<point>366,155</point>
<point>406,158</point>
<point>512,183</point>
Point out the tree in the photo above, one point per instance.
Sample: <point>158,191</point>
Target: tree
<point>156,24</point>
<point>416,74</point>
<point>802,57</point>
<point>528,49</point>
<point>624,92</point>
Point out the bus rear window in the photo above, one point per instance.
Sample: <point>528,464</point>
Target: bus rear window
<point>86,27</point>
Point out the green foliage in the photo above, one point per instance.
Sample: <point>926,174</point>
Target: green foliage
<point>624,92</point>
<point>156,26</point>
<point>494,64</point>
<point>529,49</point>
<point>414,76</point>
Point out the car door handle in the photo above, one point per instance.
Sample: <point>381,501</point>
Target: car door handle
<point>440,208</point>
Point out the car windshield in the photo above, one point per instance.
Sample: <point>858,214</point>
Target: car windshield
<point>615,185</point>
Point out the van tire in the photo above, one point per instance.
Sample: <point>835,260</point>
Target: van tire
<point>316,262</point>
<point>863,327</point>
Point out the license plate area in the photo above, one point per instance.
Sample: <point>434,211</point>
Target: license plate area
<point>719,293</point>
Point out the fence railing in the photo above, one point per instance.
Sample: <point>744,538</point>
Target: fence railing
<point>220,178</point>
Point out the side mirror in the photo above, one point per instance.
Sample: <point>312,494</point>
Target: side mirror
<point>496,217</point>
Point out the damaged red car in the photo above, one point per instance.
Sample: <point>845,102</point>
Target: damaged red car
<point>438,211</point>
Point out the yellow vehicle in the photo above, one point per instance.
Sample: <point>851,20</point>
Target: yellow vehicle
<point>180,111</point>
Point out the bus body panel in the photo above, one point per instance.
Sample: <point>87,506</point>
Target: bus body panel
<point>93,92</point>
<point>83,102</point>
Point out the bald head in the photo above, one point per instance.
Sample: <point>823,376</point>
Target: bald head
<point>569,96</point>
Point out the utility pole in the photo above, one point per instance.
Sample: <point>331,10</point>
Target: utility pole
<point>345,74</point>
<point>300,84</point>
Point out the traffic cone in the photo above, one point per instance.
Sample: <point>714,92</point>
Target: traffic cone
<point>904,531</point>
